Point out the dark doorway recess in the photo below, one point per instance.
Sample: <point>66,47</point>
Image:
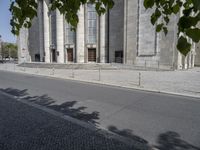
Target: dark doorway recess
<point>53,55</point>
<point>92,55</point>
<point>37,57</point>
<point>119,56</point>
<point>70,55</point>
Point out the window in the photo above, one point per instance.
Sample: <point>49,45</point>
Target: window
<point>70,35</point>
<point>91,24</point>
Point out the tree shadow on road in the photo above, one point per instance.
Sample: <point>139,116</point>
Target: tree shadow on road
<point>139,142</point>
<point>127,133</point>
<point>172,141</point>
<point>67,108</point>
<point>166,141</point>
<point>15,92</point>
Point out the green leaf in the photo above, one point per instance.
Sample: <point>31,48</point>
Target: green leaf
<point>159,27</point>
<point>194,34</point>
<point>153,19</point>
<point>183,46</point>
<point>175,9</point>
<point>187,22</point>
<point>148,3</point>
<point>166,18</point>
<point>165,30</point>
<point>196,4</point>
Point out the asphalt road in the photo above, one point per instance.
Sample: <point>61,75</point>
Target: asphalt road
<point>24,127</point>
<point>166,121</point>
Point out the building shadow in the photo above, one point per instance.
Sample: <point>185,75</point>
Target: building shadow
<point>172,141</point>
<point>67,108</point>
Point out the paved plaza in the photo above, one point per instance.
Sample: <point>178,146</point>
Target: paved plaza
<point>181,82</point>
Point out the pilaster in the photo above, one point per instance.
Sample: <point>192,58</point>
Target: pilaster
<point>41,35</point>
<point>103,38</point>
<point>80,36</point>
<point>60,36</point>
<point>46,30</point>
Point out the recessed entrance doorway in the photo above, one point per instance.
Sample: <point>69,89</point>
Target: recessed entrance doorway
<point>91,55</point>
<point>70,54</point>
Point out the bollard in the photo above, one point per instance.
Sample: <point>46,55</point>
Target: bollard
<point>73,72</point>
<point>24,67</point>
<point>14,67</point>
<point>145,64</point>
<point>158,65</point>
<point>37,70</point>
<point>139,81</point>
<point>99,74</point>
<point>53,71</point>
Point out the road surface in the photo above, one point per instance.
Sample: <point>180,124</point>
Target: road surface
<point>164,121</point>
<point>24,127</point>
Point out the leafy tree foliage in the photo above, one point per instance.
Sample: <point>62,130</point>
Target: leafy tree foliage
<point>23,11</point>
<point>9,50</point>
<point>189,11</point>
<point>4,51</point>
<point>13,52</point>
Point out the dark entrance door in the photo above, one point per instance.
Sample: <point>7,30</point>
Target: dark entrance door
<point>53,55</point>
<point>70,55</point>
<point>92,55</point>
<point>119,56</point>
<point>37,57</point>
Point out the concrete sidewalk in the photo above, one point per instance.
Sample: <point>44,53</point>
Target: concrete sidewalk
<point>179,82</point>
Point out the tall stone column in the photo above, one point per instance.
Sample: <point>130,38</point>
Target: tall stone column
<point>193,55</point>
<point>80,36</point>
<point>60,36</point>
<point>179,61</point>
<point>131,30</point>
<point>190,60</point>
<point>46,30</point>
<point>40,22</point>
<point>125,32</point>
<point>103,38</point>
<point>185,62</point>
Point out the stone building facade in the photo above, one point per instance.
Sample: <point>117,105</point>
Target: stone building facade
<point>122,35</point>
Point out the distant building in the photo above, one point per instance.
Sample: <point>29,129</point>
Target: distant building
<point>123,35</point>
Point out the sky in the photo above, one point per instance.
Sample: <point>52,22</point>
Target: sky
<point>5,28</point>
